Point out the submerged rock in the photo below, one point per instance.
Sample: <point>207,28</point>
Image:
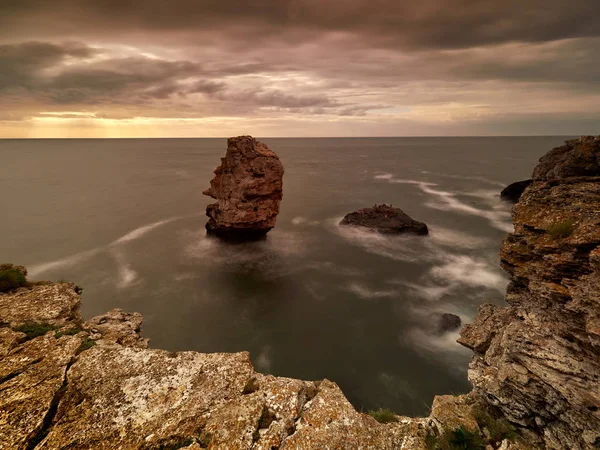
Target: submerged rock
<point>447,322</point>
<point>577,158</point>
<point>385,219</point>
<point>513,192</point>
<point>248,187</point>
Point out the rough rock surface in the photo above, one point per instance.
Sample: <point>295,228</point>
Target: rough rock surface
<point>512,192</point>
<point>577,158</point>
<point>385,219</point>
<point>538,359</point>
<point>95,384</point>
<point>248,187</point>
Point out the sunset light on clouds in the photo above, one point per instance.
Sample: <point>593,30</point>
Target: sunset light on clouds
<point>298,68</point>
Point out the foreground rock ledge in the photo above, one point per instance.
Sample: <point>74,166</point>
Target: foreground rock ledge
<point>248,186</point>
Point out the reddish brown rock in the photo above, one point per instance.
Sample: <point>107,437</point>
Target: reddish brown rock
<point>577,158</point>
<point>248,187</point>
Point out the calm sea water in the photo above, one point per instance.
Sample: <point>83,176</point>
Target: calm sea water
<point>125,220</point>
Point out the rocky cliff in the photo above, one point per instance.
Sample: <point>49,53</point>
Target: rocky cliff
<point>66,383</point>
<point>538,359</point>
<point>248,186</point>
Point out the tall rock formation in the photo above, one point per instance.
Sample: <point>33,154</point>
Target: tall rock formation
<point>248,187</point>
<point>538,359</point>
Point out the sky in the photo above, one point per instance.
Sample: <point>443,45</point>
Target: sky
<point>215,68</point>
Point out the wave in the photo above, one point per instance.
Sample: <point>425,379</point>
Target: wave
<point>367,293</point>
<point>77,258</point>
<point>80,257</point>
<point>499,217</point>
<point>466,177</point>
<point>141,231</point>
<point>126,275</point>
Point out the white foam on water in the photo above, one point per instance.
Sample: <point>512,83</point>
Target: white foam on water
<point>304,221</point>
<point>78,258</point>
<point>436,346</point>
<point>367,293</point>
<point>126,276</point>
<point>399,248</point>
<point>461,177</point>
<point>447,201</point>
<point>469,271</point>
<point>263,361</point>
<point>453,238</point>
<point>141,231</point>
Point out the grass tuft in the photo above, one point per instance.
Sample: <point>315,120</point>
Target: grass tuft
<point>561,230</point>
<point>71,332</point>
<point>34,329</point>
<point>85,345</point>
<point>458,439</point>
<point>383,415</point>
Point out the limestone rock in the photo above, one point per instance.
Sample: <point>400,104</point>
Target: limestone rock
<point>512,192</point>
<point>248,187</point>
<point>385,219</point>
<point>538,359</point>
<point>578,157</point>
<point>33,305</point>
<point>117,327</point>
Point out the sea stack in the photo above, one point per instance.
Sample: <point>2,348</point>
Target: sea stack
<point>248,187</point>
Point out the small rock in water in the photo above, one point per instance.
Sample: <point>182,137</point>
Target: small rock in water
<point>385,219</point>
<point>513,192</point>
<point>248,186</point>
<point>447,322</point>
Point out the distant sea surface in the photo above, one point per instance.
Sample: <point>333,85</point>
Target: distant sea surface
<point>124,219</point>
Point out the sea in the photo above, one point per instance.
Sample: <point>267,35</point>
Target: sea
<point>124,219</point>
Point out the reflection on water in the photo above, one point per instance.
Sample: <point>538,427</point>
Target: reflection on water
<point>125,220</point>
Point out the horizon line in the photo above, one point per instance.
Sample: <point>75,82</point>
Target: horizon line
<point>297,137</point>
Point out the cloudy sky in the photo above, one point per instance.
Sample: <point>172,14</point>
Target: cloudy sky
<point>114,68</point>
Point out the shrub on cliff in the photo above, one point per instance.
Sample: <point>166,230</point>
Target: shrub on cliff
<point>383,415</point>
<point>12,277</point>
<point>561,230</point>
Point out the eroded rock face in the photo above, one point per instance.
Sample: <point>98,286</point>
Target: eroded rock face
<point>385,219</point>
<point>512,192</point>
<point>577,158</point>
<point>248,187</point>
<point>538,359</point>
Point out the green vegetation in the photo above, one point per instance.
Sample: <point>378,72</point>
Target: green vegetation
<point>458,439</point>
<point>71,332</point>
<point>86,345</point>
<point>561,230</point>
<point>33,329</point>
<point>383,415</point>
<point>11,278</point>
<point>496,426</point>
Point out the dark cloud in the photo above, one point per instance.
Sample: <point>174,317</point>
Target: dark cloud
<point>422,24</point>
<point>377,61</point>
